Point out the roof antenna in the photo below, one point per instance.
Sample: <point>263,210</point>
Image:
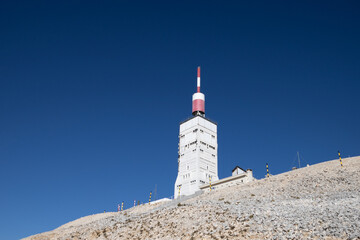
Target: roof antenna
<point>198,99</point>
<point>198,79</point>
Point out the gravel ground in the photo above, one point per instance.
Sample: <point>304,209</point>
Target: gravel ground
<point>317,202</point>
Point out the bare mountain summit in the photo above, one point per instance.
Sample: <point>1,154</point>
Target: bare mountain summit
<point>317,202</point>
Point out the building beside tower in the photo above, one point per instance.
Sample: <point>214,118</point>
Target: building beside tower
<point>239,176</point>
<point>197,158</point>
<point>198,153</point>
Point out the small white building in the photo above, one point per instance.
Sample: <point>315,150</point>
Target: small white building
<point>239,176</point>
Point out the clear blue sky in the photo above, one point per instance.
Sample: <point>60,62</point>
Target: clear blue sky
<point>92,94</point>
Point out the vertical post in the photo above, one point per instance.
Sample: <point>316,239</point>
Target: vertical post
<point>138,202</point>
<point>155,192</point>
<point>340,159</point>
<point>122,206</point>
<point>179,190</point>
<point>134,203</point>
<point>210,182</point>
<point>267,170</point>
<point>298,155</point>
<point>118,207</point>
<point>150,198</point>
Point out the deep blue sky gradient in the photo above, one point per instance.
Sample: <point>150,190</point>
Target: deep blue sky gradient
<point>92,94</point>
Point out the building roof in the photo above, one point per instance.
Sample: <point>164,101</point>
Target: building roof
<point>198,116</point>
<point>238,167</point>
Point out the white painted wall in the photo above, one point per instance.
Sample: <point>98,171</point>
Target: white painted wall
<point>197,155</point>
<point>162,200</point>
<point>237,171</point>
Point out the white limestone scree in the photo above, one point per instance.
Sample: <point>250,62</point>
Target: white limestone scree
<point>198,155</point>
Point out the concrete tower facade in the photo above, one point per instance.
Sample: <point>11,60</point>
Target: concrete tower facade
<point>197,160</point>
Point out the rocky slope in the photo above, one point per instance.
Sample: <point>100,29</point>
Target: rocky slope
<point>317,202</point>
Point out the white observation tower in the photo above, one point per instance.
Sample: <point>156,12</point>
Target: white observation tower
<point>197,160</point>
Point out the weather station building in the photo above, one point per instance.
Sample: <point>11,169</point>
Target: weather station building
<point>198,152</point>
<point>197,158</point>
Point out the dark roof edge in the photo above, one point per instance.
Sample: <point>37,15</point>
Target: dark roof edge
<point>238,167</point>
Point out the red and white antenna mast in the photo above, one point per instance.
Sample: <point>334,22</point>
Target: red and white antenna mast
<point>198,79</point>
<point>198,99</point>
